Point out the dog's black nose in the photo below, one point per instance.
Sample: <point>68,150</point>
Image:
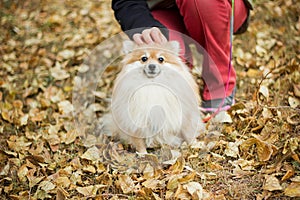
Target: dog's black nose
<point>152,67</point>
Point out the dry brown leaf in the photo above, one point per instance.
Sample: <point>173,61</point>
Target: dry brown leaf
<point>151,183</point>
<point>89,169</point>
<point>63,182</point>
<point>297,90</point>
<point>294,102</point>
<point>66,54</point>
<point>293,190</point>
<point>194,189</point>
<point>92,154</point>
<point>173,182</point>
<point>178,166</point>
<point>66,107</point>
<point>61,194</point>
<point>46,186</point>
<point>290,171</point>
<point>59,74</point>
<point>264,149</point>
<point>181,193</point>
<point>22,173</point>
<point>126,183</point>
<point>18,144</point>
<point>272,183</point>
<point>264,91</point>
<point>293,119</point>
<point>232,149</point>
<point>291,145</point>
<point>89,191</point>
<point>188,178</point>
<point>148,171</point>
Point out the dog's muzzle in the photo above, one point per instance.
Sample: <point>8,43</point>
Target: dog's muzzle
<point>151,70</point>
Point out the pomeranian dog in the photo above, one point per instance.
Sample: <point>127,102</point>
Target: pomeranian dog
<point>155,98</point>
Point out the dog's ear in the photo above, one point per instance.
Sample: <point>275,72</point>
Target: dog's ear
<point>174,46</point>
<point>128,46</point>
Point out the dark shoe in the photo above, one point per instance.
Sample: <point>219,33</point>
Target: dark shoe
<point>213,105</point>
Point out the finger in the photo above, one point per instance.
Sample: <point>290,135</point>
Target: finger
<point>157,36</point>
<point>163,38</point>
<point>138,39</point>
<point>146,35</point>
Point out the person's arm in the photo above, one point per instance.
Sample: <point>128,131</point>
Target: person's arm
<point>136,20</point>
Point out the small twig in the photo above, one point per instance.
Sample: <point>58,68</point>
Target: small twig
<point>246,128</point>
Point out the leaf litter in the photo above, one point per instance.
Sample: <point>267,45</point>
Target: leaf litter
<point>253,154</point>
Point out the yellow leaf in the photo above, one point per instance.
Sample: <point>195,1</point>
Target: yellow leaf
<point>92,154</point>
<point>178,166</point>
<point>88,191</point>
<point>290,171</point>
<point>293,190</point>
<point>24,119</point>
<point>150,183</point>
<point>148,171</point>
<point>65,107</point>
<point>126,183</point>
<point>272,183</point>
<point>188,178</point>
<point>173,182</point>
<point>89,168</point>
<point>46,186</point>
<point>264,149</point>
<point>194,189</point>
<point>22,173</point>
<point>63,182</point>
<point>59,74</point>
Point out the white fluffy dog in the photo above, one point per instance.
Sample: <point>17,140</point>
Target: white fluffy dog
<point>155,98</point>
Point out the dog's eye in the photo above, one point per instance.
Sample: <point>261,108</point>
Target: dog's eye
<point>144,58</point>
<point>161,59</point>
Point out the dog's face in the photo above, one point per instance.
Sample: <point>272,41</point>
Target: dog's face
<point>151,60</point>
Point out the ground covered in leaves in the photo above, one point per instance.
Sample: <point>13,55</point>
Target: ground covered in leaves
<point>255,154</point>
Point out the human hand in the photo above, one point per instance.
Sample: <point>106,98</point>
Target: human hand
<point>149,36</point>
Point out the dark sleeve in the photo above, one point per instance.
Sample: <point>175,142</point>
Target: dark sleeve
<point>134,16</point>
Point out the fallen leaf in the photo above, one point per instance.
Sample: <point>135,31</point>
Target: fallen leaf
<point>272,183</point>
<point>293,119</point>
<point>22,173</point>
<point>232,149</point>
<point>293,190</point>
<point>89,191</point>
<point>126,183</point>
<point>92,154</point>
<point>59,74</point>
<point>65,107</point>
<point>297,90</point>
<point>222,117</point>
<point>194,189</point>
<point>46,186</point>
<point>264,91</point>
<point>178,166</point>
<point>264,149</point>
<point>290,171</point>
<point>294,102</point>
<point>66,54</point>
<point>151,183</point>
<point>173,182</point>
<point>63,182</point>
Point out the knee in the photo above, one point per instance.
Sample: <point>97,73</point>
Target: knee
<point>195,7</point>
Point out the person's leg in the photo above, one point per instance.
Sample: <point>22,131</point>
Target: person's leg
<point>208,22</point>
<point>172,19</point>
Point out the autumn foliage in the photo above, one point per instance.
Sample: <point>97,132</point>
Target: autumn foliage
<point>250,152</point>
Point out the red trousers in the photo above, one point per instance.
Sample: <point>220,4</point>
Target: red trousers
<point>208,23</point>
